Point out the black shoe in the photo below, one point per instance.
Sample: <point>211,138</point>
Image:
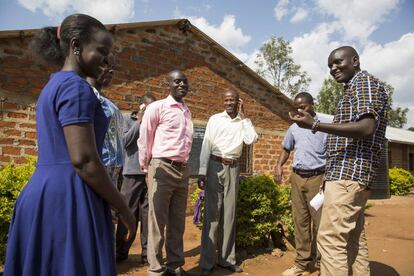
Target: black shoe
<point>206,272</point>
<point>182,273</point>
<point>144,260</point>
<point>121,258</point>
<point>232,268</point>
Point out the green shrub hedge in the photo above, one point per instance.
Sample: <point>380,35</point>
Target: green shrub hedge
<point>12,180</point>
<point>261,206</point>
<point>401,181</point>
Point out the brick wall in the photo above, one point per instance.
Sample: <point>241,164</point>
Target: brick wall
<point>399,155</point>
<point>144,56</point>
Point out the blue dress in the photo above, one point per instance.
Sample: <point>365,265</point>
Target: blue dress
<point>59,225</point>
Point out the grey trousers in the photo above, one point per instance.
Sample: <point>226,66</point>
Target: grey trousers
<point>219,225</point>
<point>167,197</point>
<point>135,192</point>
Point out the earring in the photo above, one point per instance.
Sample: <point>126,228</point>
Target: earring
<point>76,52</point>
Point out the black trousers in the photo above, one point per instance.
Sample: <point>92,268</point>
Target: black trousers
<point>135,191</point>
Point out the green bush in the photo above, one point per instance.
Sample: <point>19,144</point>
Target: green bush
<point>401,181</point>
<point>12,180</point>
<point>261,206</point>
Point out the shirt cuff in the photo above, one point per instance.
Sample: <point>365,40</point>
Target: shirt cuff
<point>366,111</point>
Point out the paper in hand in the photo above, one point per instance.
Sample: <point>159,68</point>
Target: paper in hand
<point>317,201</point>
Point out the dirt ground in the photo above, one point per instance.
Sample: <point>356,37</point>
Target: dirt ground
<point>390,233</point>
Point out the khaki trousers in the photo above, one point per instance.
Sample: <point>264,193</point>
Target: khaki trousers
<point>167,197</point>
<point>219,224</point>
<point>341,236</point>
<point>306,219</point>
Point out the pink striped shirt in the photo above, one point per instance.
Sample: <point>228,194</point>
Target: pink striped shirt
<point>166,131</point>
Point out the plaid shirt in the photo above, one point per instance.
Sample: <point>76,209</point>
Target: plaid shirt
<point>352,158</point>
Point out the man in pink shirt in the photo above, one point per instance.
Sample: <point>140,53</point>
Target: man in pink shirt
<point>166,135</point>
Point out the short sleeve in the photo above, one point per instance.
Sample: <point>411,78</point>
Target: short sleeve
<point>368,98</point>
<point>289,141</point>
<point>75,103</point>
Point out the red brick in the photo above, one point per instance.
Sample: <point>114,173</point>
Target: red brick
<point>27,142</point>
<point>20,160</point>
<point>12,132</point>
<point>11,150</point>
<point>26,125</point>
<point>30,135</point>
<point>10,106</point>
<point>6,141</point>
<point>16,115</point>
<point>5,159</point>
<point>7,124</point>
<point>30,151</point>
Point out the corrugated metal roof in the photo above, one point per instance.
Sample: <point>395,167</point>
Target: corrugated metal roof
<point>393,134</point>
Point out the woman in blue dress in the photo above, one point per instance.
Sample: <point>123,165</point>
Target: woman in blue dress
<point>61,223</point>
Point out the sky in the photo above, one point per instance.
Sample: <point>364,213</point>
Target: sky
<point>382,31</point>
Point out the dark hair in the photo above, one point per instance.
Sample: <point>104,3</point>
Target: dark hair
<point>54,50</point>
<point>351,50</point>
<point>305,95</point>
<point>147,96</point>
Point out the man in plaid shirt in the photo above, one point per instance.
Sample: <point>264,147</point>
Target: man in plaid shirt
<point>357,136</point>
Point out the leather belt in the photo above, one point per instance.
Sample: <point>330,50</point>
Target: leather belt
<point>173,163</point>
<point>309,173</point>
<point>224,161</point>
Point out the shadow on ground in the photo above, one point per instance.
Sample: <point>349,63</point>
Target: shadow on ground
<point>380,269</point>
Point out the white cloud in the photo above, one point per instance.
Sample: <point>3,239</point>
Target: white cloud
<point>393,62</point>
<point>299,15</point>
<point>359,19</point>
<point>281,9</point>
<point>311,52</point>
<point>107,11</point>
<point>227,33</point>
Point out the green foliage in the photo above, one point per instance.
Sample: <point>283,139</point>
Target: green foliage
<point>275,62</point>
<point>12,180</point>
<point>397,117</point>
<point>401,181</point>
<point>329,96</point>
<point>261,204</point>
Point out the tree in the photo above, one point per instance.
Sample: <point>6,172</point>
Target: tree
<point>397,117</point>
<point>331,93</point>
<point>329,96</point>
<point>411,128</point>
<point>275,62</point>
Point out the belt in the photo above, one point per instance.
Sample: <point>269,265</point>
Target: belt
<point>173,163</point>
<point>224,161</point>
<point>309,173</point>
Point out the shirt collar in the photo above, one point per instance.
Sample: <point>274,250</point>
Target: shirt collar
<point>97,94</point>
<point>224,114</point>
<point>349,83</point>
<point>170,101</point>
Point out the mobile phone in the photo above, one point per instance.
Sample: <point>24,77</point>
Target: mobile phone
<point>141,106</point>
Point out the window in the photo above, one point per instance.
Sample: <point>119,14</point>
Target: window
<point>246,159</point>
<point>411,162</point>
